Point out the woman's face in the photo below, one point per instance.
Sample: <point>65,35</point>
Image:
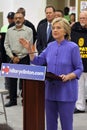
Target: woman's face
<point>72,18</point>
<point>58,31</point>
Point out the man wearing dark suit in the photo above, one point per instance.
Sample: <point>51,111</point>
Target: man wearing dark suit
<point>42,40</point>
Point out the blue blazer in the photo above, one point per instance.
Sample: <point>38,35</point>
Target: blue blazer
<point>63,58</point>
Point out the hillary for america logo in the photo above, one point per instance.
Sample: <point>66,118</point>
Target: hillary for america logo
<point>5,69</point>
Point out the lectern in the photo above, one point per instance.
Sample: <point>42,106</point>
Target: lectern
<point>33,105</point>
<point>33,92</point>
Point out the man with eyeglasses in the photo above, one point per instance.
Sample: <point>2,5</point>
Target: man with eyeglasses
<point>79,35</point>
<point>16,53</point>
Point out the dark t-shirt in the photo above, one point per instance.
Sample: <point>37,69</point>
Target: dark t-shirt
<point>79,36</point>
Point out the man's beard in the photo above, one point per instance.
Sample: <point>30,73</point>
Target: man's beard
<point>18,24</point>
<point>82,24</point>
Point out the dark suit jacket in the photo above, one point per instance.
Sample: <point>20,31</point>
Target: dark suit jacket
<point>42,42</point>
<point>41,22</point>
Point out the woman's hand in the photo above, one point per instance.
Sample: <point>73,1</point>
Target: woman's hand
<point>64,77</point>
<point>28,46</point>
<point>68,77</point>
<point>25,44</point>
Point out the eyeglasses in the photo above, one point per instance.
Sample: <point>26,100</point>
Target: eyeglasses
<point>82,18</point>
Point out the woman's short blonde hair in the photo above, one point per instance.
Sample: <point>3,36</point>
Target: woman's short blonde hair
<point>65,24</point>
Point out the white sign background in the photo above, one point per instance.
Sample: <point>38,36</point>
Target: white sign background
<point>83,5</point>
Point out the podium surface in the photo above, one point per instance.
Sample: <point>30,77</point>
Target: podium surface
<point>33,101</point>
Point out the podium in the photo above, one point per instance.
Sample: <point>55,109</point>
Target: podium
<point>33,92</point>
<point>34,106</point>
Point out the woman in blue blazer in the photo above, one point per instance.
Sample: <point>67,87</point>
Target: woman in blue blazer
<point>62,58</point>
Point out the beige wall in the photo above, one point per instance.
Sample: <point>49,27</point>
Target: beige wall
<point>1,19</point>
<point>58,4</point>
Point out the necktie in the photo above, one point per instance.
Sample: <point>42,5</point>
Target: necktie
<point>48,31</point>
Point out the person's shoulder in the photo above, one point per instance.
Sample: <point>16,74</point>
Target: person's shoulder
<point>42,21</point>
<point>45,23</point>
<point>51,44</point>
<point>28,23</point>
<point>41,26</point>
<point>4,28</point>
<point>11,25</point>
<point>76,25</point>
<point>72,44</point>
<point>26,27</point>
<point>11,28</point>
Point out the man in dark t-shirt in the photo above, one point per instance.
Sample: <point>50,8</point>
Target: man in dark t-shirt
<point>79,36</point>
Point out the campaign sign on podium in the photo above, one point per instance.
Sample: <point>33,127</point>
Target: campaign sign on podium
<point>23,71</point>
